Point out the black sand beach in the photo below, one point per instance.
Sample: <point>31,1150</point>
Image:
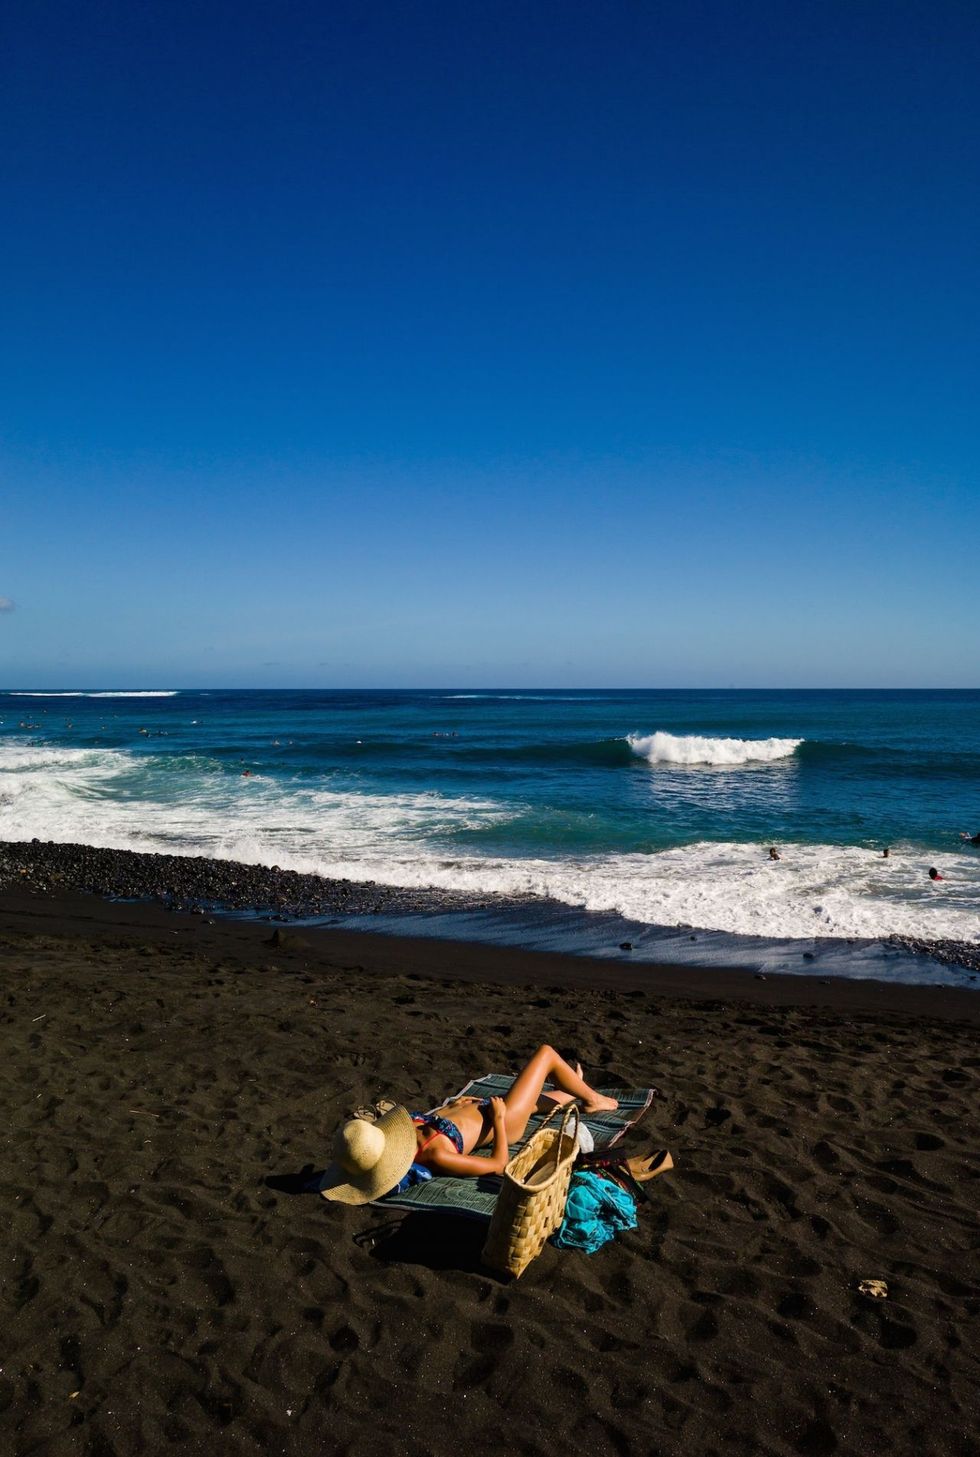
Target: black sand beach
<point>158,1295</point>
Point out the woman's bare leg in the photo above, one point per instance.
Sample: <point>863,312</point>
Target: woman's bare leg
<point>546,1066</point>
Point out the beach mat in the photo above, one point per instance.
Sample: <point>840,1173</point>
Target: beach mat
<point>476,1197</point>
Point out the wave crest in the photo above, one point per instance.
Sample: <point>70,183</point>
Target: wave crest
<point>664,748</point>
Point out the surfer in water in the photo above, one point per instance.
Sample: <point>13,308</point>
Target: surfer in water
<point>970,839</point>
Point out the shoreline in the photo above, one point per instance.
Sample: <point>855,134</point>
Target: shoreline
<point>231,891</point>
<point>85,917</point>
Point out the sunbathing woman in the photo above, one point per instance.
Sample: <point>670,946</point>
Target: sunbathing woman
<point>372,1157</point>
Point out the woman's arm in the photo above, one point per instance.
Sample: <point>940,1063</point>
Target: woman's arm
<point>463,1165</point>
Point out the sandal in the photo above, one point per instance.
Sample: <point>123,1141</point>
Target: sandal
<point>630,1174</point>
<point>650,1165</point>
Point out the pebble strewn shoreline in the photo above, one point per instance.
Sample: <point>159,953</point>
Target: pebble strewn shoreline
<point>200,885</point>
<point>953,953</point>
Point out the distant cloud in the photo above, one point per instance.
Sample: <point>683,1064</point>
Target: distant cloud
<point>6,605</point>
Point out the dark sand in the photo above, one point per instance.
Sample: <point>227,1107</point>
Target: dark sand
<point>157,1296</point>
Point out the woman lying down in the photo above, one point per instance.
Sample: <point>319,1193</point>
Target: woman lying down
<point>373,1158</point>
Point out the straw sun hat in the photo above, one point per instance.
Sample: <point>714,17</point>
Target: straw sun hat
<point>370,1157</point>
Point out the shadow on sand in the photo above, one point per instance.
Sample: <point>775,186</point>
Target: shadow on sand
<point>436,1241</point>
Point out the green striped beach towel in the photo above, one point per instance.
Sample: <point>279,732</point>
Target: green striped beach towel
<point>476,1197</point>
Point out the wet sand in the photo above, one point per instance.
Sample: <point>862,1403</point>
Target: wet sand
<point>157,1294</point>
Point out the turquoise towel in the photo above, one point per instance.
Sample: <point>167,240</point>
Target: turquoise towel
<point>596,1211</point>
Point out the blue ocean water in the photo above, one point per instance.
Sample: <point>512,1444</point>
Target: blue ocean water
<point>658,806</point>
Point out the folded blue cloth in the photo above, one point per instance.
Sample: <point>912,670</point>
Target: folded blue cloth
<point>417,1174</point>
<point>596,1211</point>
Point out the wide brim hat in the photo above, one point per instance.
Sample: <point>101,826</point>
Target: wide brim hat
<point>370,1157</point>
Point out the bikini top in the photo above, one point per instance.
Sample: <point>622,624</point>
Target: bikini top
<point>439,1126</point>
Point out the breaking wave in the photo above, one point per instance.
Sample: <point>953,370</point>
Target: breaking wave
<point>664,748</point>
<point>617,753</point>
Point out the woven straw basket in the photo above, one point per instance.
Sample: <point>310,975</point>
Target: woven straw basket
<point>531,1204</point>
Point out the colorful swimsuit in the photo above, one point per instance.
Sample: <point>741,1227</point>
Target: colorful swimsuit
<point>438,1125</point>
<point>445,1126</point>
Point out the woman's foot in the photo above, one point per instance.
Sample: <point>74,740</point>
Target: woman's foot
<point>597,1103</point>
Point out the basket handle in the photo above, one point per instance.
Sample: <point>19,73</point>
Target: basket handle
<point>572,1106</point>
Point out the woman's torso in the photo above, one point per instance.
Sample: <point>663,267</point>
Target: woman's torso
<point>468,1116</point>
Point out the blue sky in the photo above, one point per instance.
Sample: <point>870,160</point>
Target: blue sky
<point>565,344</point>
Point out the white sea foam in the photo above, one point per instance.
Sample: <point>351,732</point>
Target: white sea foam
<point>195,806</point>
<point>820,890</point>
<point>112,693</point>
<point>663,748</point>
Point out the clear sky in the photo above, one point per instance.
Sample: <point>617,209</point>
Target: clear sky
<point>369,344</point>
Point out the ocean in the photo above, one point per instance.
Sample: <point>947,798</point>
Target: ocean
<point>651,811</point>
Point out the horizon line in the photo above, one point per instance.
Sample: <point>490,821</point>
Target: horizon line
<point>468,691</point>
